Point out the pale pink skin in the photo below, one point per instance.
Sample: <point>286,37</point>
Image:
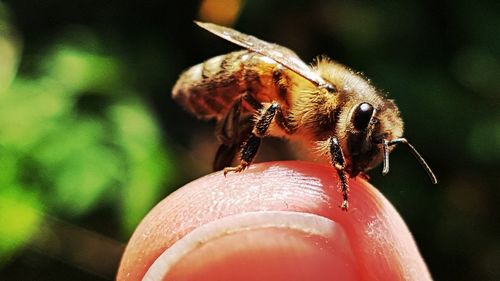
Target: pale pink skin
<point>373,242</point>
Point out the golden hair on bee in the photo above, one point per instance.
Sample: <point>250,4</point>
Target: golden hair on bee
<point>267,90</point>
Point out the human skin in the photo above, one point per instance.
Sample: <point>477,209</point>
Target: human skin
<point>274,221</point>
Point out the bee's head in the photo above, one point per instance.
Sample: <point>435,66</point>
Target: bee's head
<point>367,126</point>
<point>371,135</point>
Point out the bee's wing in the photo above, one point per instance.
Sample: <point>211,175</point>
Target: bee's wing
<point>227,128</point>
<point>280,54</point>
<point>231,131</point>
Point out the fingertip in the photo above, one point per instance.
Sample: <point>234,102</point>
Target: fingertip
<point>376,235</point>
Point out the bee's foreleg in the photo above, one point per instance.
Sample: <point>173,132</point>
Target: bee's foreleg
<point>338,161</point>
<point>251,145</point>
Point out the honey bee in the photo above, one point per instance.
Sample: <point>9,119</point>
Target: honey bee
<point>267,90</point>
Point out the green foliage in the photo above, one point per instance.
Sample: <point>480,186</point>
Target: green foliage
<point>19,218</point>
<point>149,163</point>
<point>19,215</point>
<point>75,138</point>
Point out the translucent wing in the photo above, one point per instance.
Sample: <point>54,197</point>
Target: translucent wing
<point>280,54</point>
<point>231,131</point>
<point>226,131</point>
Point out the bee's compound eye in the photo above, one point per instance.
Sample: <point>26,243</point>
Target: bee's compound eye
<point>362,116</point>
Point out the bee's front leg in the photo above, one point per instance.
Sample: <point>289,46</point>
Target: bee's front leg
<point>338,161</point>
<point>251,145</point>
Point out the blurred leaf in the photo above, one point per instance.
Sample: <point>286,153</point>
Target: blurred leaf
<point>9,162</point>
<point>150,165</point>
<point>30,110</point>
<point>19,220</point>
<point>80,70</point>
<point>80,166</point>
<point>68,134</point>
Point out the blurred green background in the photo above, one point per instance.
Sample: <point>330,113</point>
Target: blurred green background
<point>90,139</point>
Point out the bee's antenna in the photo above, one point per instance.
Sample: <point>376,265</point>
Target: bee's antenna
<point>415,153</point>
<point>385,169</point>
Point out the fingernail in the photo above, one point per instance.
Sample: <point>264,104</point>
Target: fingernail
<point>264,245</point>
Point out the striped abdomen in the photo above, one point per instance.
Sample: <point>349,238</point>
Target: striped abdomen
<point>209,89</point>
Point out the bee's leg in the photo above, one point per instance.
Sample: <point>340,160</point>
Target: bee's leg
<point>338,161</point>
<point>251,146</point>
<point>231,132</point>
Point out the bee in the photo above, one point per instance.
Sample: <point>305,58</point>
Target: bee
<point>267,90</point>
